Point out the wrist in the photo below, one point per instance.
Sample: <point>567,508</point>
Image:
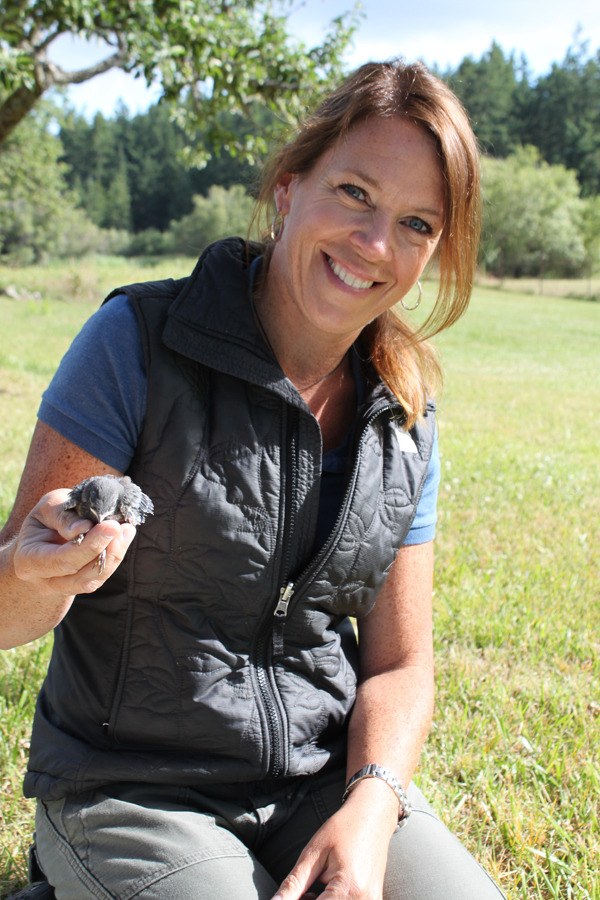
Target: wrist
<point>382,779</point>
<point>371,800</point>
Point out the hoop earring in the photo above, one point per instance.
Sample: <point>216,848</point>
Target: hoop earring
<point>415,305</point>
<point>277,224</point>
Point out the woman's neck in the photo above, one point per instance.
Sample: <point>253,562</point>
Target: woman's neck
<point>311,359</point>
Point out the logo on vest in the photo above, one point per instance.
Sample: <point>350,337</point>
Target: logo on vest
<point>405,442</point>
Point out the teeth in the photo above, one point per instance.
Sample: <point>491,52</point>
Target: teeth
<point>347,277</point>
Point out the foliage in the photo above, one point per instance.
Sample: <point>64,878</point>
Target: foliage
<point>562,116</point>
<point>559,113</point>
<point>590,221</point>
<point>493,89</point>
<point>532,217</point>
<point>149,243</point>
<point>225,211</point>
<point>129,170</point>
<point>510,762</point>
<point>209,57</point>
<point>38,214</point>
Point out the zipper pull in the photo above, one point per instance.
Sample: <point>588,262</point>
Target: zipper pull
<point>285,595</point>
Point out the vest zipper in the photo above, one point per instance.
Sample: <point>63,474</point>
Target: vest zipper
<point>285,595</point>
<point>271,636</point>
<point>270,639</point>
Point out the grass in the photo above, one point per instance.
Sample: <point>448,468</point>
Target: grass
<point>512,754</point>
<point>512,758</point>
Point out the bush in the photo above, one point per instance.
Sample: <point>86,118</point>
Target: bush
<point>225,211</point>
<point>533,221</point>
<point>150,242</point>
<point>78,236</point>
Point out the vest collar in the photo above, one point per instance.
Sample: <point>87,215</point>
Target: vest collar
<point>211,319</point>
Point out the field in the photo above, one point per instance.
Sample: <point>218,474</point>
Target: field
<point>512,759</point>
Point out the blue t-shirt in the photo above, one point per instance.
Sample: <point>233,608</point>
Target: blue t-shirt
<point>97,400</point>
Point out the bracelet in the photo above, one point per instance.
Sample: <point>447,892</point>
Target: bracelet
<point>375,771</point>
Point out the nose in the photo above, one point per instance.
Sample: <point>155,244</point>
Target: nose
<point>373,237</point>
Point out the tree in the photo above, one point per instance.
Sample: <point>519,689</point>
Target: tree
<point>130,168</point>
<point>118,209</point>
<point>209,56</point>
<point>159,183</point>
<point>532,217</point>
<point>562,116</point>
<point>493,90</point>
<point>38,214</point>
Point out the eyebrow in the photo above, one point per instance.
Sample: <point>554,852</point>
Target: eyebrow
<point>372,182</point>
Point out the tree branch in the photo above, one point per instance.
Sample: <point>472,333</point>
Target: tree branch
<point>47,75</point>
<point>42,46</point>
<point>15,108</point>
<point>61,76</point>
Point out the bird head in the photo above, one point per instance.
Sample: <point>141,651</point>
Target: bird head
<point>100,498</point>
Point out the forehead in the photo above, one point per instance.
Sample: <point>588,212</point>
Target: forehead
<point>395,156</point>
<point>396,140</point>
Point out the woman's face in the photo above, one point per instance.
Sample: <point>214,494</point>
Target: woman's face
<point>360,227</point>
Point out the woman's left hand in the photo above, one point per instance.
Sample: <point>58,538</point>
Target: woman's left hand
<point>348,854</point>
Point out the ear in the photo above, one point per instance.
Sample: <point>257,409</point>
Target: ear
<point>283,193</point>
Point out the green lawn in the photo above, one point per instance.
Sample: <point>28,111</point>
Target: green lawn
<point>512,759</point>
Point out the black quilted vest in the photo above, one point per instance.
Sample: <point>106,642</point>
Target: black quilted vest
<point>221,650</point>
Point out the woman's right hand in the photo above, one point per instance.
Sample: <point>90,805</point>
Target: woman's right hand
<point>47,554</point>
<point>41,568</point>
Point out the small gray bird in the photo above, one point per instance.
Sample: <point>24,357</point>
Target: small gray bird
<point>104,497</point>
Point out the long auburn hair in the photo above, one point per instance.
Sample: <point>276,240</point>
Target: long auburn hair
<point>401,354</point>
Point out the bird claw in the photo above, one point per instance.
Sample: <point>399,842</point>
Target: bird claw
<point>101,562</point>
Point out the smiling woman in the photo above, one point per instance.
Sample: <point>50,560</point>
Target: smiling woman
<point>390,135</point>
<point>354,240</point>
<point>357,232</point>
<point>210,726</point>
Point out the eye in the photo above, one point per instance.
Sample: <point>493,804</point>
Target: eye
<point>417,224</point>
<point>353,191</point>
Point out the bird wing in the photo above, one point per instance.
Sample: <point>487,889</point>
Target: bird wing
<point>135,505</point>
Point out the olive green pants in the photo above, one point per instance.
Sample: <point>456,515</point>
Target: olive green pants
<point>235,842</point>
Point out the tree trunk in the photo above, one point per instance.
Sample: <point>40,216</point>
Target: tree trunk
<point>16,107</point>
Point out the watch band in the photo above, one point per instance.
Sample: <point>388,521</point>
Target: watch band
<point>372,770</point>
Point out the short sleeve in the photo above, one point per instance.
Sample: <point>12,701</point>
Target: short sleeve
<point>97,397</point>
<point>423,526</point>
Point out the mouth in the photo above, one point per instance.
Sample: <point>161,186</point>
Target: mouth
<point>347,278</point>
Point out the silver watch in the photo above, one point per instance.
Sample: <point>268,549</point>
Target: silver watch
<point>375,771</point>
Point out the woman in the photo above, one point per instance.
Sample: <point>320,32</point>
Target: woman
<point>209,726</point>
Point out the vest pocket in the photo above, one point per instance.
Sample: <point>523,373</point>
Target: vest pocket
<point>217,711</point>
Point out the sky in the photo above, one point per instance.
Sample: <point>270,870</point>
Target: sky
<point>442,32</point>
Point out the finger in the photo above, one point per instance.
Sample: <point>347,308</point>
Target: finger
<point>71,566</point>
<point>99,568</point>
<point>108,541</point>
<point>338,889</point>
<point>303,875</point>
<point>50,514</point>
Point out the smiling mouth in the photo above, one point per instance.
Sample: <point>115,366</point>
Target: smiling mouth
<point>347,277</point>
